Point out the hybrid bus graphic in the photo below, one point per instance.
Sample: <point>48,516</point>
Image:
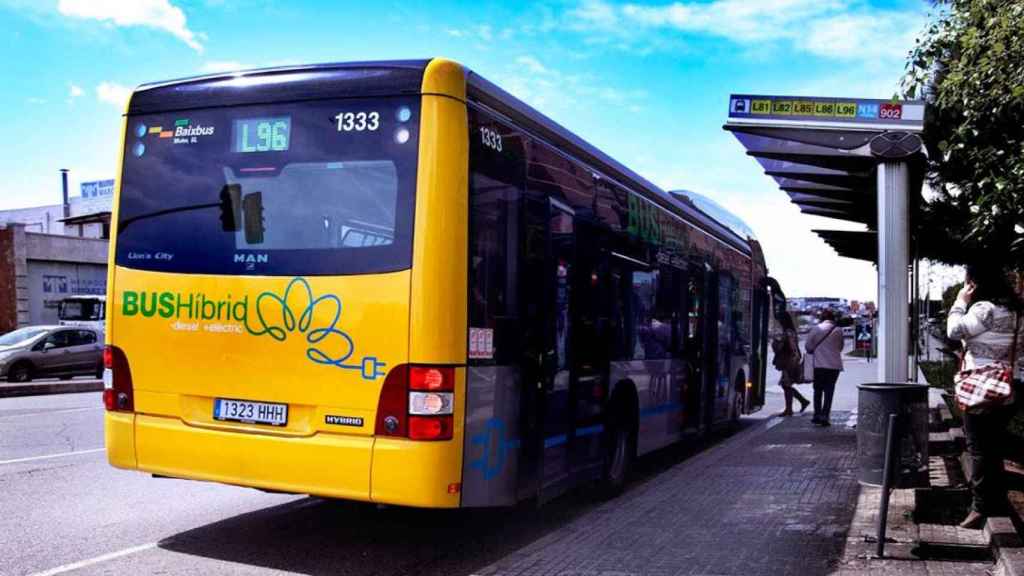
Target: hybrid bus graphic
<point>421,292</point>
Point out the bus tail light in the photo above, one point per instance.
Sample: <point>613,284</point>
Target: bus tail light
<point>432,378</point>
<point>430,403</point>
<point>417,402</point>
<point>118,391</point>
<point>430,427</point>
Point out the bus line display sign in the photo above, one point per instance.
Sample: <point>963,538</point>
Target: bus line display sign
<point>828,111</point>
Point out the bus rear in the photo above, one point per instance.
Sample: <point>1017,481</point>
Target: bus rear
<point>288,282</point>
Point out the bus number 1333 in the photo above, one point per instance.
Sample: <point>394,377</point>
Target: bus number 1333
<point>357,121</point>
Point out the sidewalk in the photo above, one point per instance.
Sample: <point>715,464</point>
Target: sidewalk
<point>776,500</point>
<point>40,387</point>
<point>779,499</point>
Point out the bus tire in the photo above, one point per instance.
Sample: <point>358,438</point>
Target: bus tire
<point>20,372</point>
<point>620,452</point>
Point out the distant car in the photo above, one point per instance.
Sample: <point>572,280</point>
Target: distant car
<point>45,351</point>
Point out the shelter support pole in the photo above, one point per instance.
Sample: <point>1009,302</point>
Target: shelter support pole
<point>893,279</point>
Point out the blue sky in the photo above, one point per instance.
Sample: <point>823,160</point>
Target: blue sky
<point>647,83</point>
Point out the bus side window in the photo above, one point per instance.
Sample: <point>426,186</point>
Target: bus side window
<point>670,307</point>
<point>495,184</point>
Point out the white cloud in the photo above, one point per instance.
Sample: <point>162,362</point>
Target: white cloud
<point>159,14</point>
<point>531,64</point>
<point>861,36</point>
<point>850,30</point>
<point>74,91</point>
<point>739,20</point>
<point>214,66</point>
<point>483,33</point>
<point>595,13</point>
<point>550,90</point>
<point>114,94</point>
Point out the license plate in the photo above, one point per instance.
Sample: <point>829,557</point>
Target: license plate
<point>250,412</point>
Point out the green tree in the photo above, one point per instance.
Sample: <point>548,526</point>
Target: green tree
<point>969,67</point>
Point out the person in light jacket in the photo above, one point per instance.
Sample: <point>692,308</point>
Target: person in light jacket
<point>825,341</point>
<point>985,317</point>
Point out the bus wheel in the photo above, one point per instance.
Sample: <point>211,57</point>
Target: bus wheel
<point>20,372</point>
<point>619,457</point>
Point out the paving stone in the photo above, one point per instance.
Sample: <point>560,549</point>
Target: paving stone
<point>775,502</point>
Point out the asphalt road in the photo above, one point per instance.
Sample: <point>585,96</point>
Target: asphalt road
<point>64,510</point>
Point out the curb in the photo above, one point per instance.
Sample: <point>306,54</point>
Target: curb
<point>1000,531</point>
<point>13,390</point>
<point>1006,546</point>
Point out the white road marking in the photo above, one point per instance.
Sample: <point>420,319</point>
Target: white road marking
<point>48,456</point>
<point>95,560</point>
<point>48,412</point>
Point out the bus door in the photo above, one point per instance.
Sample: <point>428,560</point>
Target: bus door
<point>724,347</point>
<point>694,349</point>
<point>558,359</point>
<point>589,355</point>
<point>758,350</point>
<point>702,334</point>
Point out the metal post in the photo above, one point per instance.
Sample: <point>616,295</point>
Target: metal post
<point>915,320</point>
<point>64,187</point>
<point>883,506</point>
<point>893,255</point>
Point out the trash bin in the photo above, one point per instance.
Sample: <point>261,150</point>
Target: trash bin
<point>875,403</point>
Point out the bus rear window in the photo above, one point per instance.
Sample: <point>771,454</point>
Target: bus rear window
<point>313,188</point>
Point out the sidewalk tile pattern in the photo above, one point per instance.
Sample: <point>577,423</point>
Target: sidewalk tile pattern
<point>773,502</point>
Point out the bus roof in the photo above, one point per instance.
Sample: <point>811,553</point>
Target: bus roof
<point>403,77</point>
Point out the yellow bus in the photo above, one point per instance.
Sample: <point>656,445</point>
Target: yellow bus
<point>393,282</point>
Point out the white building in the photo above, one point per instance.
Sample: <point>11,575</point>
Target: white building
<point>88,214</point>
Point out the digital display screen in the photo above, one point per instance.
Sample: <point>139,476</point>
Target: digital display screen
<point>261,134</point>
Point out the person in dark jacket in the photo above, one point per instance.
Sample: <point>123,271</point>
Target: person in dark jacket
<point>786,348</point>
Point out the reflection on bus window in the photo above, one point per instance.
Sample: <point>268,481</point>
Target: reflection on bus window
<point>343,205</point>
<point>653,337</point>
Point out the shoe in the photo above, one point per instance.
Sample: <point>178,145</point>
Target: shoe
<point>824,423</point>
<point>815,420</point>
<point>974,521</point>
<point>804,405</point>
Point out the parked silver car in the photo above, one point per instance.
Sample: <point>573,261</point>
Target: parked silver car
<point>45,351</point>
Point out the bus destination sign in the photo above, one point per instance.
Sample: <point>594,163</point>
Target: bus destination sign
<point>903,114</point>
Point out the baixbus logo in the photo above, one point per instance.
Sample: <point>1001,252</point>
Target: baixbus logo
<point>182,129</point>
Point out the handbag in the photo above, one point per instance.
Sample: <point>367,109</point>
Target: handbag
<point>807,364</point>
<point>988,386</point>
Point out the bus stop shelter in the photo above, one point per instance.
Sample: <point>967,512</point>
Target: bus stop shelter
<point>854,159</point>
